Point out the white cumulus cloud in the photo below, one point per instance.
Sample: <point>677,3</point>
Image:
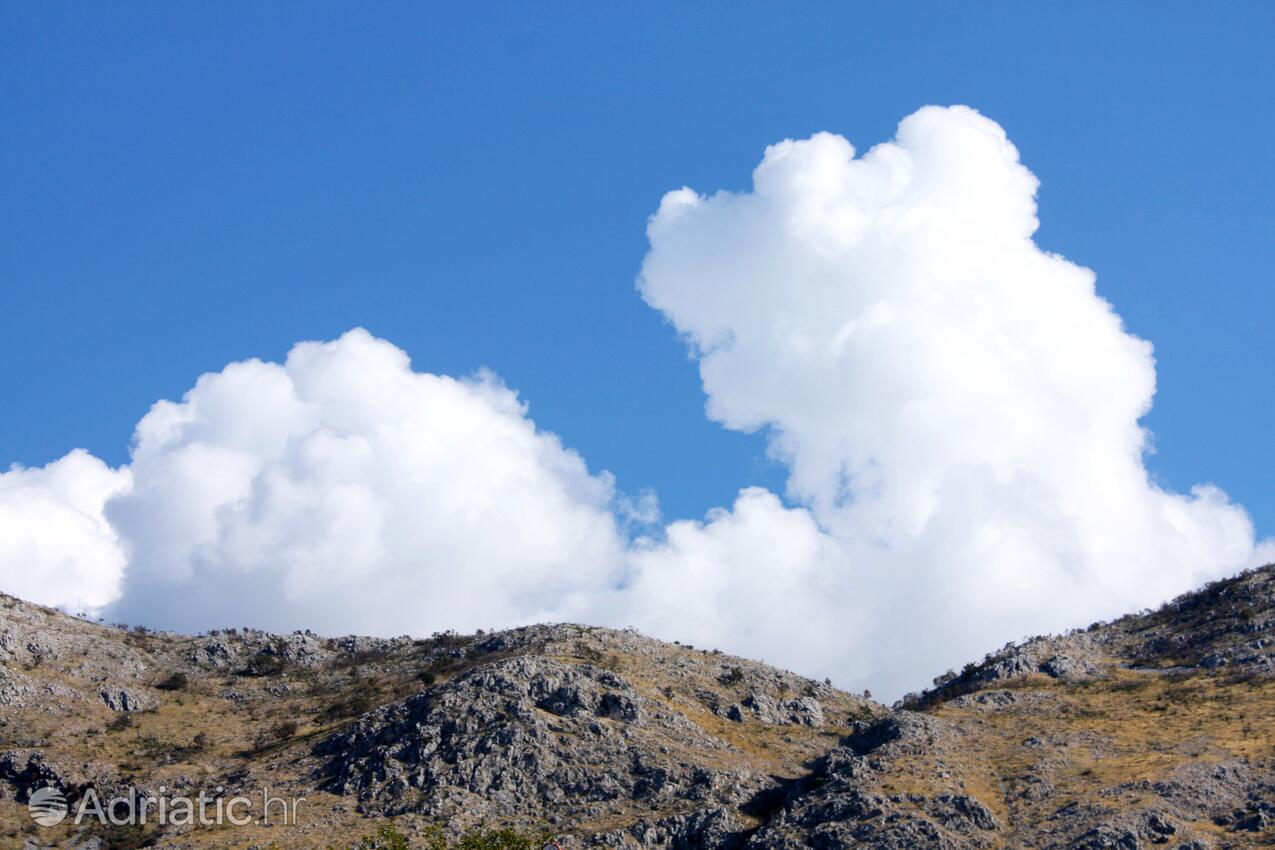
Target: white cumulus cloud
<point>56,548</point>
<point>957,408</point>
<point>342,490</point>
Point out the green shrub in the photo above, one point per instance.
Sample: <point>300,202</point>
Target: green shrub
<point>386,838</point>
<point>278,733</point>
<point>353,705</point>
<point>500,839</point>
<point>264,664</point>
<point>389,838</point>
<point>120,723</point>
<point>173,682</point>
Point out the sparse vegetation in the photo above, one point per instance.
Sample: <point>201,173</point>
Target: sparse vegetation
<point>265,664</point>
<point>121,837</point>
<point>173,682</point>
<point>120,722</point>
<point>389,838</point>
<point>863,713</point>
<point>277,733</point>
<point>350,705</point>
<point>587,652</point>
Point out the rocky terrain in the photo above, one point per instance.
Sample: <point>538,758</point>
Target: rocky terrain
<point>1154,730</point>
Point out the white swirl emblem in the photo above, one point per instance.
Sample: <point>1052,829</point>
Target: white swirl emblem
<point>47,806</point>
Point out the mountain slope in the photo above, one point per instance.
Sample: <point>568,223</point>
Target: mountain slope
<point>1157,729</point>
<point>575,729</point>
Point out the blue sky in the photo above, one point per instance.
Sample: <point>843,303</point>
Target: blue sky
<point>188,186</point>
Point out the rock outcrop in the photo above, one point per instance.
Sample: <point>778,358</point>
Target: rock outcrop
<point>524,738</point>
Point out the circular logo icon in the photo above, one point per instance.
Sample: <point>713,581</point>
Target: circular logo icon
<point>47,806</point>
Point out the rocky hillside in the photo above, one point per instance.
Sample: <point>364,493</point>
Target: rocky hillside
<point>1155,730</point>
<point>1158,729</point>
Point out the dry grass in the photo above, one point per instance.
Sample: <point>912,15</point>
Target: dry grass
<point>1113,732</point>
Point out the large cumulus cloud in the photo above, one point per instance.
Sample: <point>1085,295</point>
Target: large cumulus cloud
<point>958,410</point>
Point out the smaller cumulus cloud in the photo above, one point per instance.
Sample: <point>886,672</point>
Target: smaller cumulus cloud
<point>342,490</point>
<point>760,579</point>
<point>56,547</point>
